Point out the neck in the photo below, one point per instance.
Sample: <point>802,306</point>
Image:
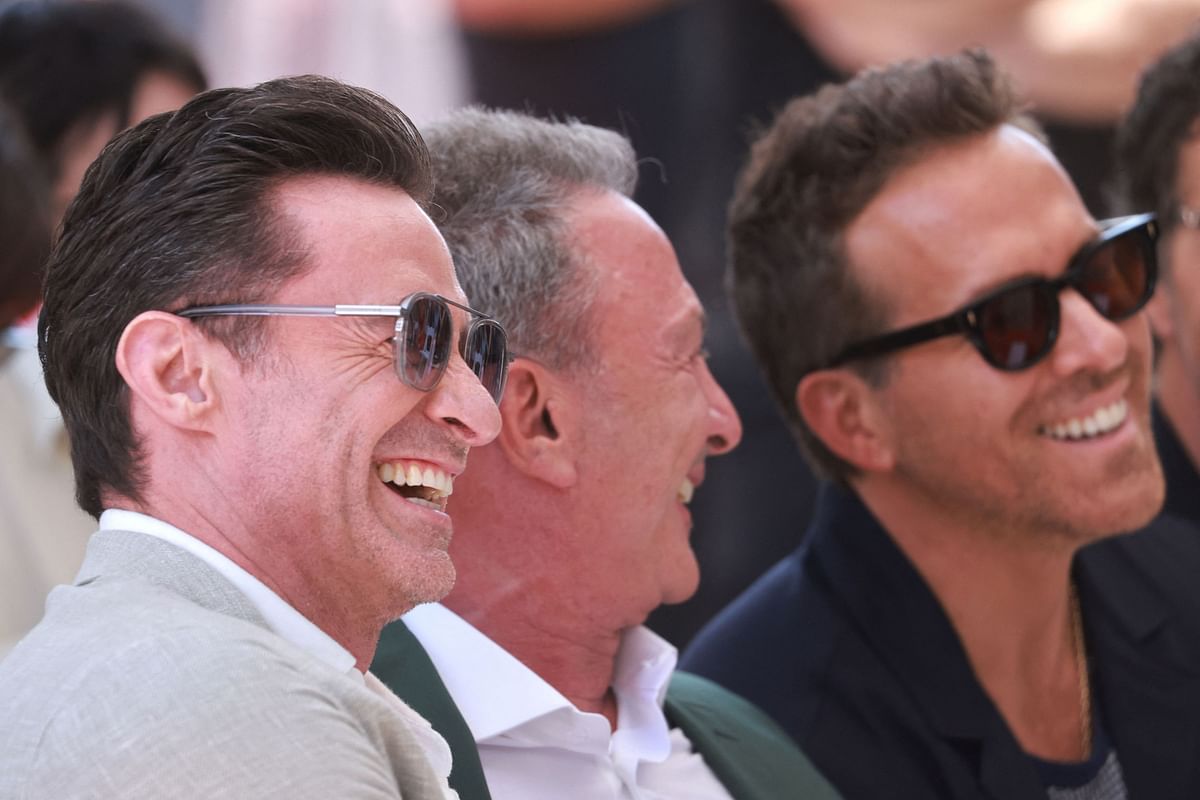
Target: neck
<point>526,579</point>
<point>1179,397</point>
<point>1008,597</point>
<point>575,658</point>
<point>258,553</point>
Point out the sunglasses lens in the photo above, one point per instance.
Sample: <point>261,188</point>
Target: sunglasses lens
<point>1017,327</point>
<point>1116,278</point>
<point>424,347</point>
<point>486,353</point>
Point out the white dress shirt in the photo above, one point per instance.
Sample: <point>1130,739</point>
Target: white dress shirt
<point>535,745</point>
<point>287,622</point>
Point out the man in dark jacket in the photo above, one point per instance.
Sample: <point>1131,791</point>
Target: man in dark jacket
<point>959,346</point>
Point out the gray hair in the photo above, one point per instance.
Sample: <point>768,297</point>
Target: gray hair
<point>503,183</point>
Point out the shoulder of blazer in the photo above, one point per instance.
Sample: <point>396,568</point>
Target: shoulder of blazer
<point>404,666</point>
<point>748,752</point>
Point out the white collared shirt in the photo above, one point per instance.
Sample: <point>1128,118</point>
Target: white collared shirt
<point>285,621</point>
<point>535,745</point>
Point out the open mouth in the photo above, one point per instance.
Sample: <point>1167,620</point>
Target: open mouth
<point>421,484</point>
<point>1099,422</point>
<point>686,490</point>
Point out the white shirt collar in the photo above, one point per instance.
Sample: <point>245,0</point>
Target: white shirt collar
<point>284,620</point>
<point>461,654</point>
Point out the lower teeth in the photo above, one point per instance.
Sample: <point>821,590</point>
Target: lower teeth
<point>422,502</point>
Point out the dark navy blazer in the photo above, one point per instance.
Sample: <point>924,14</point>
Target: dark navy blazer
<point>1183,482</point>
<point>846,647</point>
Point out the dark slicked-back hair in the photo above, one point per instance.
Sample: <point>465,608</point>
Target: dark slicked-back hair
<point>825,157</point>
<point>177,211</point>
<point>66,62</point>
<point>504,182</point>
<point>24,223</point>
<point>1149,139</point>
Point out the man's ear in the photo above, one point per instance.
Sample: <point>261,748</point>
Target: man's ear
<point>538,434</point>
<point>844,413</point>
<point>167,364</point>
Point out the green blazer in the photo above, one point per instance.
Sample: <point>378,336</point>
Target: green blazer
<point>751,755</point>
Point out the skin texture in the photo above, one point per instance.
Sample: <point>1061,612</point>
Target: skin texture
<point>571,529</point>
<point>1175,313</point>
<point>273,462</point>
<point>956,466</point>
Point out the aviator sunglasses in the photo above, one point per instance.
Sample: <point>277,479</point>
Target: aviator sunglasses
<point>423,338</point>
<point>1015,326</point>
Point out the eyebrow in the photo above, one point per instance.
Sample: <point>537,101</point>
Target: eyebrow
<point>1015,280</point>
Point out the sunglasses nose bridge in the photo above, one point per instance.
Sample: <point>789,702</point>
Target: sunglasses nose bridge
<point>464,404</point>
<point>1087,338</point>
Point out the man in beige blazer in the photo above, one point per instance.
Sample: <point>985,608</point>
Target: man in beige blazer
<point>260,350</point>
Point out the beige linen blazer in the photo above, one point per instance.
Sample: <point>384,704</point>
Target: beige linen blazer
<point>153,677</point>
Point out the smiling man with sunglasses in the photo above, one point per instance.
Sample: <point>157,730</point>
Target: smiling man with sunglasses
<point>271,378</point>
<point>959,347</point>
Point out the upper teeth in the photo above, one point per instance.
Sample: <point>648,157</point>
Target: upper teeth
<point>1100,421</point>
<point>686,490</point>
<point>408,473</point>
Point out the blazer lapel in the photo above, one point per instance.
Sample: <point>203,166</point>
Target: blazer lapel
<point>404,666</point>
<point>752,756</point>
<point>150,559</point>
<point>1139,595</point>
<point>903,621</point>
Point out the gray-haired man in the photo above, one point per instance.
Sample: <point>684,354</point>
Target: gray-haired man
<point>578,526</point>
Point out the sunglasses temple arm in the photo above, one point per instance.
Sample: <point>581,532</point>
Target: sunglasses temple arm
<point>898,340</point>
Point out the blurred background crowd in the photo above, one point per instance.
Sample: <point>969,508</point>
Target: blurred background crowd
<point>688,80</point>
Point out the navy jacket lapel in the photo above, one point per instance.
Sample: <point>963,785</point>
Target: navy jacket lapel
<point>1140,596</point>
<point>900,617</point>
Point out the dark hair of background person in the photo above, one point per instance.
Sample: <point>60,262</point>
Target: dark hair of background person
<point>176,212</point>
<point>66,62</point>
<point>1151,136</point>
<point>504,182</point>
<point>823,160</point>
<point>24,222</point>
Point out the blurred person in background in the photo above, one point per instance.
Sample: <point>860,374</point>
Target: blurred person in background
<point>79,71</point>
<point>689,80</point>
<point>574,525</point>
<point>24,245</point>
<point>406,50</point>
<point>74,73</point>
<point>1158,167</point>
<point>959,346</point>
<point>25,221</point>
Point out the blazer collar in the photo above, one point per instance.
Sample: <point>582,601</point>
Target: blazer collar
<point>1183,481</point>
<point>1142,645</point>
<point>898,615</point>
<point>1141,628</point>
<point>125,554</point>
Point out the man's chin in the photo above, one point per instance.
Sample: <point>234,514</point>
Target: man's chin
<point>684,585</point>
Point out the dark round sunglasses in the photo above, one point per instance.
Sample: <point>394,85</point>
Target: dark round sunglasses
<point>423,339</point>
<point>1015,326</point>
